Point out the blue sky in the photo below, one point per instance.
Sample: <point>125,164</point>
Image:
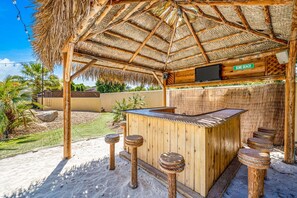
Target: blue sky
<point>14,44</point>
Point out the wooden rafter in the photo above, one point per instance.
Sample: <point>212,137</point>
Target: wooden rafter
<point>83,69</point>
<point>120,36</point>
<point>132,14</point>
<point>171,42</point>
<point>150,35</point>
<point>242,17</point>
<point>268,21</point>
<point>146,31</point>
<point>158,79</point>
<point>207,42</point>
<point>98,21</point>
<point>120,62</point>
<point>195,37</point>
<point>223,48</point>
<point>121,50</point>
<point>113,68</point>
<point>119,12</point>
<point>215,2</point>
<point>234,25</point>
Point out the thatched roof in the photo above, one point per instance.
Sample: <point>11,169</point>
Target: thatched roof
<point>157,35</point>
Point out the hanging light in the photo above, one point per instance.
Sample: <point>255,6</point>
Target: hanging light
<point>26,31</point>
<point>14,2</point>
<point>29,39</point>
<point>18,17</point>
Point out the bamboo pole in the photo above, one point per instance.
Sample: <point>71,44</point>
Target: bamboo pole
<point>67,59</point>
<point>83,69</point>
<point>290,93</point>
<point>164,93</point>
<point>268,21</point>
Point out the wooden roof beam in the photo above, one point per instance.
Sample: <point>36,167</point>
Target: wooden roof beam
<point>135,12</point>
<point>268,21</point>
<point>120,11</point>
<point>234,25</point>
<point>150,35</point>
<point>83,69</point>
<point>216,2</point>
<point>121,50</point>
<point>171,42</point>
<point>195,37</point>
<point>242,17</point>
<point>120,62</point>
<point>133,40</point>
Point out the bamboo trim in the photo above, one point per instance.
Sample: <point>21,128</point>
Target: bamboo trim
<point>268,21</point>
<point>133,40</point>
<point>116,61</point>
<point>149,36</point>
<point>195,37</point>
<point>229,82</point>
<point>83,69</point>
<point>244,57</point>
<point>242,17</point>
<point>122,50</point>
<point>215,2</point>
<point>234,25</point>
<point>171,42</point>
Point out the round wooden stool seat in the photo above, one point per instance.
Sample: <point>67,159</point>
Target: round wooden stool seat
<point>112,138</point>
<point>266,130</point>
<point>262,145</point>
<point>172,162</point>
<point>254,158</point>
<point>263,135</point>
<point>134,140</point>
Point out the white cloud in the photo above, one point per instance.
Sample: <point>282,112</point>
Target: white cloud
<point>8,67</point>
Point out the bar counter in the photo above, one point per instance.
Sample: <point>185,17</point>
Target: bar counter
<point>207,141</point>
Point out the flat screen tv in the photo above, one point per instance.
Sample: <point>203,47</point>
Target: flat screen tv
<point>208,73</point>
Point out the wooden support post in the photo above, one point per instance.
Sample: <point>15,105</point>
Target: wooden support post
<point>164,93</point>
<point>290,92</point>
<point>67,59</point>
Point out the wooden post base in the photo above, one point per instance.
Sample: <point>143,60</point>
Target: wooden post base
<point>255,182</point>
<point>134,182</point>
<point>171,185</point>
<point>111,157</point>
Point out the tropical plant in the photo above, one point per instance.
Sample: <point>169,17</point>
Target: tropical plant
<point>109,87</point>
<point>33,73</point>
<point>134,102</point>
<point>15,105</point>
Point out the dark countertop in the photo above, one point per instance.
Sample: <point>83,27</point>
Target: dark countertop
<point>210,119</point>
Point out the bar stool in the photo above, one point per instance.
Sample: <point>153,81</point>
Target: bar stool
<point>266,130</point>
<point>123,126</point>
<point>171,163</point>
<point>134,141</point>
<point>263,135</point>
<point>111,139</point>
<point>255,161</point>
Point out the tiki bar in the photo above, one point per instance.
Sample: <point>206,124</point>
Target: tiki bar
<point>176,45</point>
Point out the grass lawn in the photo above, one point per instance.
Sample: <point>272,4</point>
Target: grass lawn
<point>22,144</point>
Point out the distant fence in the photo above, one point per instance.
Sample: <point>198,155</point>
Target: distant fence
<point>93,102</point>
<point>265,105</point>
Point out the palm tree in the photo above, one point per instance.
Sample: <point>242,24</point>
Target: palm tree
<point>33,76</point>
<point>15,105</point>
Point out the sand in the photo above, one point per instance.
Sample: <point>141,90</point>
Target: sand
<point>45,174</point>
<point>281,180</point>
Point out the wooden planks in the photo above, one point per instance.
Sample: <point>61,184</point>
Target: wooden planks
<point>207,151</point>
